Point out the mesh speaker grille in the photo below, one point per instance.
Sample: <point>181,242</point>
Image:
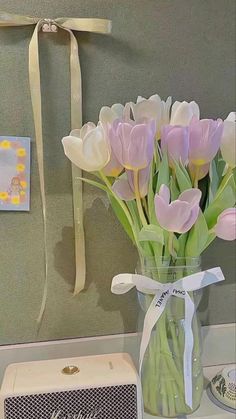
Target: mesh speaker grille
<point>116,402</point>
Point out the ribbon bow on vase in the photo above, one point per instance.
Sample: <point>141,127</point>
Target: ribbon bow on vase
<point>102,26</point>
<point>161,294</point>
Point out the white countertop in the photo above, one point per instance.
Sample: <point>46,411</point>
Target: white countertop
<point>207,410</point>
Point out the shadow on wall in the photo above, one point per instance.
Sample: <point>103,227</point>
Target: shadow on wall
<point>220,253</point>
<point>64,251</point>
<point>114,254</point>
<point>109,252</point>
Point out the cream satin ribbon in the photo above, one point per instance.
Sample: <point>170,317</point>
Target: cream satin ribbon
<point>162,292</point>
<point>102,26</point>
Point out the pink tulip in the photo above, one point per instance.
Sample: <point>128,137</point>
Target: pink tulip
<point>204,140</point>
<point>226,225</point>
<point>175,142</point>
<point>180,215</point>
<point>124,185</point>
<point>132,144</point>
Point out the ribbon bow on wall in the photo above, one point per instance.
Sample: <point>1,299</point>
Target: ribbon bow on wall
<point>102,26</point>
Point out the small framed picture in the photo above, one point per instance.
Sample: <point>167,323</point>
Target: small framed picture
<point>14,173</point>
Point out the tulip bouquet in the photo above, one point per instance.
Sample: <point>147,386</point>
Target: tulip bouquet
<point>169,176</point>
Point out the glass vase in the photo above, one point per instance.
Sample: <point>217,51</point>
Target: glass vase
<point>162,371</point>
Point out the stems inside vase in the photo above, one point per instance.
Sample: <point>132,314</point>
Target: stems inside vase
<point>162,373</point>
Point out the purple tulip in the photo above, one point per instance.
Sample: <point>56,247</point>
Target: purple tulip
<point>198,172</point>
<point>124,186</point>
<point>180,215</point>
<point>113,167</point>
<point>226,225</point>
<point>132,144</point>
<point>204,140</point>
<point>175,142</point>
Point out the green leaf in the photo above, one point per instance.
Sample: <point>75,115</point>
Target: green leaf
<point>211,237</point>
<point>132,206</point>
<point>121,217</point>
<point>225,198</point>
<point>214,181</point>
<point>225,179</point>
<point>157,153</point>
<point>220,166</point>
<point>164,173</point>
<point>150,197</point>
<point>151,232</point>
<point>182,176</point>
<point>234,174</point>
<point>176,244</point>
<point>94,183</point>
<point>147,249</point>
<point>182,243</point>
<point>174,190</point>
<point>197,237</point>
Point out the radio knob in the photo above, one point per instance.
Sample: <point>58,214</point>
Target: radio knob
<point>70,370</point>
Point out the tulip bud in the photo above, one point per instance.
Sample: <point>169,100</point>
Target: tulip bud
<point>153,109</point>
<point>183,112</point>
<point>228,140</point>
<point>226,225</point>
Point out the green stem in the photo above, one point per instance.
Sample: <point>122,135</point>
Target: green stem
<point>145,206</point>
<point>196,177</point>
<point>138,198</point>
<point>228,173</point>
<point>171,244</point>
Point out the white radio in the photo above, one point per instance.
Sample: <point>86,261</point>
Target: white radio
<point>95,387</point>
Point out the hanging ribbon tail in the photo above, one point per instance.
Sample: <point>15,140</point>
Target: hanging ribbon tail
<point>102,26</point>
<point>76,122</point>
<point>80,260</point>
<point>35,90</point>
<point>89,25</point>
<point>125,282</point>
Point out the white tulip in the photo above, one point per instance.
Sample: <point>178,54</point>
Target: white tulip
<point>108,115</point>
<point>228,140</point>
<point>153,108</point>
<point>87,148</point>
<point>182,113</point>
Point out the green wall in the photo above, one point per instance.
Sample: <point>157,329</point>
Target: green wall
<point>179,47</point>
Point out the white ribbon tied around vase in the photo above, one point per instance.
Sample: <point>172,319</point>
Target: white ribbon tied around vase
<point>162,292</point>
<point>69,25</point>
